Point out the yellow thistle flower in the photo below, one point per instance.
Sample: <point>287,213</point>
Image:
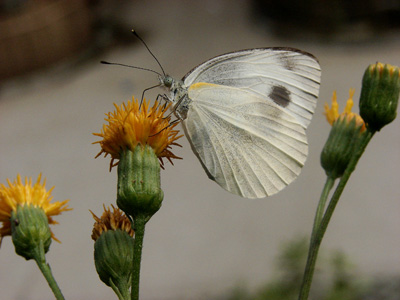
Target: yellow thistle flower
<point>332,114</point>
<point>130,125</point>
<point>19,195</point>
<point>111,221</point>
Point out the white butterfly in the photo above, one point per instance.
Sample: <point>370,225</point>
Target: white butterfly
<point>245,114</point>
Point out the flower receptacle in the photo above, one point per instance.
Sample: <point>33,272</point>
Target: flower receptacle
<point>340,146</point>
<point>113,256</point>
<point>139,186</point>
<point>30,230</point>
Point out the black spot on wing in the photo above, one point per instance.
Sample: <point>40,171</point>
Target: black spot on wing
<point>280,95</point>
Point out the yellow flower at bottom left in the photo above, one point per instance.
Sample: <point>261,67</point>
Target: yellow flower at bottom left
<point>19,194</point>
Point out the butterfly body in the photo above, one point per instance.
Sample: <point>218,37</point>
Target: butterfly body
<point>178,95</point>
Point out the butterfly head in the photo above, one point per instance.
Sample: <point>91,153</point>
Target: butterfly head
<point>167,81</point>
<point>174,86</point>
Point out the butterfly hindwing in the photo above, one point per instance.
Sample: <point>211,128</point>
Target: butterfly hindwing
<point>250,146</point>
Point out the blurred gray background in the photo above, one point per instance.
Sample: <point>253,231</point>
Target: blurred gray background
<point>203,241</point>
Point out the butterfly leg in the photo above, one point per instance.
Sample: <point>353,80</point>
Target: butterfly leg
<point>181,107</point>
<point>169,125</point>
<point>145,90</point>
<point>166,100</point>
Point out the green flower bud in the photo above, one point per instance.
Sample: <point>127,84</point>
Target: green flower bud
<point>113,256</point>
<point>30,230</point>
<point>379,95</point>
<point>341,145</point>
<point>139,186</point>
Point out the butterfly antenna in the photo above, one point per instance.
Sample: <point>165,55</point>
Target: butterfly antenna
<point>128,66</point>
<point>140,39</point>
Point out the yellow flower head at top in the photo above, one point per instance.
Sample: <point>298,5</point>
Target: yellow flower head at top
<point>332,114</point>
<point>19,194</point>
<point>130,125</point>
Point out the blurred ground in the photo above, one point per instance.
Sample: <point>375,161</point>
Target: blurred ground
<point>204,240</point>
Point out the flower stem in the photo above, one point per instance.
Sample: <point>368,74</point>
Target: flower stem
<point>39,257</point>
<point>320,225</point>
<point>321,204</point>
<point>342,183</point>
<point>139,223</point>
<point>313,251</point>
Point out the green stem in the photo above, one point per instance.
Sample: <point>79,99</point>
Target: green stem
<point>39,257</point>
<point>313,251</point>
<point>342,183</point>
<point>321,225</point>
<point>321,204</point>
<point>139,223</point>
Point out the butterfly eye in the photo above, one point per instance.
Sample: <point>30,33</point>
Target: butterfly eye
<point>167,81</point>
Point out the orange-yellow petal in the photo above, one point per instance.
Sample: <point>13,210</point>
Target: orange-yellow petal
<point>332,114</point>
<point>131,124</point>
<point>111,221</point>
<point>350,102</point>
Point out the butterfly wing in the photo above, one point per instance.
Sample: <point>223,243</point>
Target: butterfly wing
<point>248,116</point>
<point>286,76</point>
<point>249,146</point>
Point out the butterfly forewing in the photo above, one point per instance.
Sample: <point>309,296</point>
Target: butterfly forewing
<point>286,76</point>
